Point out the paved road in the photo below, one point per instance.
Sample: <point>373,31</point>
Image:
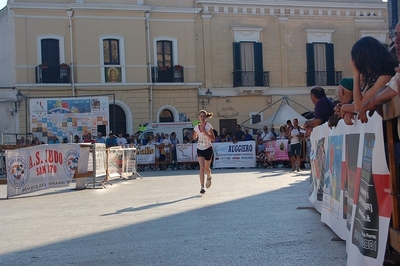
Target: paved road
<point>247,217</point>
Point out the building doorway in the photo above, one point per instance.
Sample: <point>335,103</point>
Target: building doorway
<point>229,124</point>
<point>117,119</point>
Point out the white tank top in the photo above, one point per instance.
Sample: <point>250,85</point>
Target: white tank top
<point>203,142</point>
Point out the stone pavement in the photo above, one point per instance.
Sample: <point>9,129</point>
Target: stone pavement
<point>247,217</point>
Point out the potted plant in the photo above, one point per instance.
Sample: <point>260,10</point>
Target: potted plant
<point>44,65</point>
<point>163,68</point>
<point>64,66</point>
<point>178,67</point>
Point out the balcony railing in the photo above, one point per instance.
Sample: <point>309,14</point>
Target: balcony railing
<point>248,79</point>
<point>320,78</point>
<point>53,74</point>
<point>167,74</point>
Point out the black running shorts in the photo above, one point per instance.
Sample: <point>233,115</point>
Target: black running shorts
<point>207,154</point>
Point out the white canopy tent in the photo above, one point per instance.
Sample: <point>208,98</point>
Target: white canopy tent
<point>279,118</point>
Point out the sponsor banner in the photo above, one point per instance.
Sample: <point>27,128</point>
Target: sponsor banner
<point>351,185</point>
<point>186,152</point>
<point>317,162</point>
<point>229,154</point>
<point>114,162</point>
<point>121,161</point>
<point>40,167</point>
<point>332,209</point>
<point>277,150</point>
<point>146,154</point>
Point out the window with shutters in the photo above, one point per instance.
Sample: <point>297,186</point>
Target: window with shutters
<point>248,65</point>
<point>51,57</point>
<point>320,58</point>
<point>321,65</point>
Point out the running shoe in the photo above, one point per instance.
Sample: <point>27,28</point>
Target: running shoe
<point>208,183</point>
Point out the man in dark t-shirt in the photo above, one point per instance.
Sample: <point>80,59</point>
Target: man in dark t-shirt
<point>223,135</point>
<point>238,135</point>
<point>323,107</point>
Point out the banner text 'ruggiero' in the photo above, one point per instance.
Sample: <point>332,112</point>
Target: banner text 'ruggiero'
<point>240,148</point>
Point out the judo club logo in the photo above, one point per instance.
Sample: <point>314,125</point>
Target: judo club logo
<point>17,172</point>
<point>71,162</point>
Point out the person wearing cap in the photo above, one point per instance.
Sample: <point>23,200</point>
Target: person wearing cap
<point>111,140</point>
<point>77,139</point>
<point>345,90</point>
<point>247,136</point>
<point>345,95</point>
<point>100,138</point>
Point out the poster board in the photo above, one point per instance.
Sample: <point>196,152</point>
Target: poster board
<point>67,117</point>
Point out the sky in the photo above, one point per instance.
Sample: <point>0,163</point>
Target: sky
<point>4,2</point>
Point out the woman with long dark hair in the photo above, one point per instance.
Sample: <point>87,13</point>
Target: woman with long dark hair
<point>372,66</point>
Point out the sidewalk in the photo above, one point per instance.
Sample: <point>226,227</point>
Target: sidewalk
<point>247,217</point>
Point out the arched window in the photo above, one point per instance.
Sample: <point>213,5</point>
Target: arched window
<point>166,116</point>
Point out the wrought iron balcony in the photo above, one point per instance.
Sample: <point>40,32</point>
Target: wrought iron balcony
<point>320,78</point>
<point>167,74</point>
<point>53,74</point>
<point>248,79</point>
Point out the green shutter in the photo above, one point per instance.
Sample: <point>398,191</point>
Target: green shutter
<point>258,64</point>
<point>330,65</point>
<point>237,73</point>
<point>310,64</point>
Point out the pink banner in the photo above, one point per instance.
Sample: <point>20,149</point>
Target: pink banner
<point>277,150</point>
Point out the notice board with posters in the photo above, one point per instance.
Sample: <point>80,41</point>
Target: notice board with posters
<point>67,117</point>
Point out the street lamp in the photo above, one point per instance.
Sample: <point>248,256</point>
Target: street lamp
<point>17,103</point>
<point>208,95</point>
